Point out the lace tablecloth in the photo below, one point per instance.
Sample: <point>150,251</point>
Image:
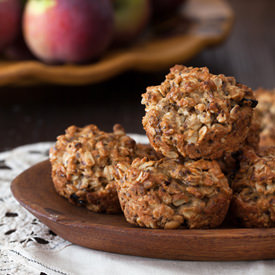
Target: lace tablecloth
<point>29,247</point>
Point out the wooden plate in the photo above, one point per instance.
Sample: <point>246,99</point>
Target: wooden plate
<point>34,190</point>
<point>202,23</point>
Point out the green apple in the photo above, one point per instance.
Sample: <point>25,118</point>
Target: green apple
<point>131,18</point>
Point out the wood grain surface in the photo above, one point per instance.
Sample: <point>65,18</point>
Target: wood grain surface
<point>34,190</point>
<point>40,113</point>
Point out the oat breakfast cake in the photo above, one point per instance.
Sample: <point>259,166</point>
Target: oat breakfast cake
<point>82,165</point>
<point>196,114</point>
<point>253,203</point>
<point>210,146</point>
<point>170,194</point>
<point>265,112</point>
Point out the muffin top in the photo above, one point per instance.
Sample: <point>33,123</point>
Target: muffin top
<point>88,150</point>
<point>169,194</point>
<point>197,114</point>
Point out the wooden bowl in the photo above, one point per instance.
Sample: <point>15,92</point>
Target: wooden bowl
<point>202,23</point>
<point>34,190</point>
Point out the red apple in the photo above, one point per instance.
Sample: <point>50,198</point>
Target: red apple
<point>131,17</point>
<point>10,25</point>
<point>164,8</point>
<point>68,30</point>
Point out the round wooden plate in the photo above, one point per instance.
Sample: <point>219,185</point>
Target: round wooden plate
<point>34,191</point>
<point>202,23</point>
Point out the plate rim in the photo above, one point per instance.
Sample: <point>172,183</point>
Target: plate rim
<point>218,234</point>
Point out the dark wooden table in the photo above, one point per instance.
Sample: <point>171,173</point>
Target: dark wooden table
<point>29,115</point>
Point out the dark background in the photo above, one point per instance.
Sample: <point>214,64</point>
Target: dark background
<point>29,115</point>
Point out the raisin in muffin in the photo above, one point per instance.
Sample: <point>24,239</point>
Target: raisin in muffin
<point>196,114</point>
<point>83,162</point>
<point>169,194</point>
<point>265,112</point>
<point>253,203</point>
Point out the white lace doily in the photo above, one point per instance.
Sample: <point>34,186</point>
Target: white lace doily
<point>29,247</point>
<point>20,230</point>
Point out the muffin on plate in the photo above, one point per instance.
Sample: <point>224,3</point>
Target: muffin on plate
<point>253,203</point>
<point>265,112</point>
<point>196,114</point>
<point>170,194</point>
<point>83,163</point>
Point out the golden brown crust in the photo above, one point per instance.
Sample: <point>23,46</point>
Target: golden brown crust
<point>83,163</point>
<point>265,114</point>
<point>196,114</point>
<point>253,203</point>
<point>169,194</point>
